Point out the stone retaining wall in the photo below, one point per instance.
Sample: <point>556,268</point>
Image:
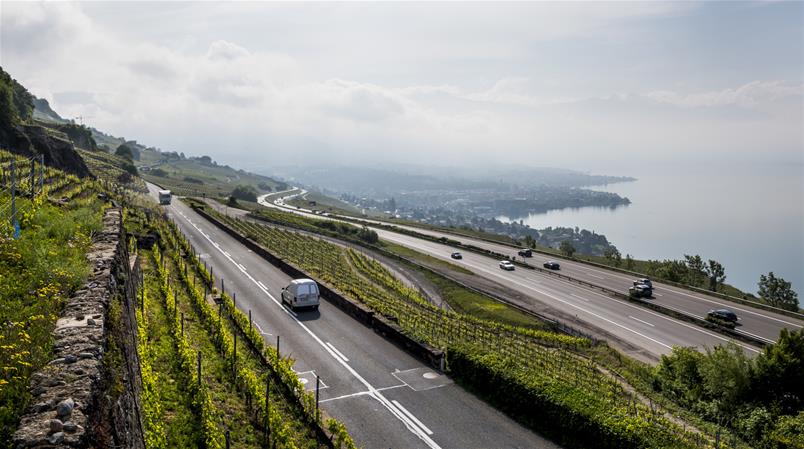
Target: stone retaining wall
<point>88,395</point>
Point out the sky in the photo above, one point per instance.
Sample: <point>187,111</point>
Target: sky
<point>593,86</point>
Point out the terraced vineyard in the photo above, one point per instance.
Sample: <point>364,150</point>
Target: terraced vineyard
<point>546,368</point>
<point>108,168</point>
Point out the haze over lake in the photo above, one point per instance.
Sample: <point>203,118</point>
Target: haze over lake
<point>751,219</point>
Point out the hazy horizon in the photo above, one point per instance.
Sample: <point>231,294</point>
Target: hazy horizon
<point>597,87</point>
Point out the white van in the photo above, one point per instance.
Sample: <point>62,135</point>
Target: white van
<point>301,293</point>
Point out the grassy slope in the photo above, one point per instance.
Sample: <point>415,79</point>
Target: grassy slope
<point>212,181</point>
<point>38,272</point>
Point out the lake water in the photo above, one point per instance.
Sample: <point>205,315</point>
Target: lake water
<point>751,219</point>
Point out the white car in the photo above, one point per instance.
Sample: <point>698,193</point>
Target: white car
<point>301,293</point>
<point>506,265</point>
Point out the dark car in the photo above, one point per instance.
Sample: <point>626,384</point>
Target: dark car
<point>456,255</point>
<point>552,265</point>
<point>723,314</point>
<point>525,252</point>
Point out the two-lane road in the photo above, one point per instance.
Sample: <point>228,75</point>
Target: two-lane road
<point>385,397</point>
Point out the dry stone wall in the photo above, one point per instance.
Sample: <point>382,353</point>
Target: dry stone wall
<point>89,393</point>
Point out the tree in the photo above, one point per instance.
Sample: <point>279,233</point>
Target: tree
<point>7,111</point>
<point>124,151</point>
<point>716,273</point>
<point>529,241</point>
<point>566,248</point>
<point>629,262</point>
<point>778,372</point>
<point>726,373</point>
<point>777,292</point>
<point>245,193</point>
<point>613,255</point>
<point>695,270</point>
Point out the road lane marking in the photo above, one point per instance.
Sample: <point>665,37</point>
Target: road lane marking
<point>410,415</point>
<point>681,323</point>
<point>731,306</point>
<point>340,354</point>
<point>260,329</point>
<point>373,392</point>
<point>359,393</point>
<point>641,321</point>
<point>579,297</point>
<point>261,285</point>
<point>755,336</point>
<point>509,278</point>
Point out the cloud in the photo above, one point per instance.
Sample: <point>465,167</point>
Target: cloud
<point>248,104</point>
<point>750,95</point>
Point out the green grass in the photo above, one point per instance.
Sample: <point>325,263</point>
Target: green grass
<point>469,302</point>
<point>38,272</point>
<point>325,203</point>
<point>422,258</point>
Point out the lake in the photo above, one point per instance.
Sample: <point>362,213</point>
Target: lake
<point>751,219</point>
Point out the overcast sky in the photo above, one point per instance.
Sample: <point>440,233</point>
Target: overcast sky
<point>592,86</point>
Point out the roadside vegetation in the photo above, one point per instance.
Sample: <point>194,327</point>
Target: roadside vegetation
<point>38,271</point>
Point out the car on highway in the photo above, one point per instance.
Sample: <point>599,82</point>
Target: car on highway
<point>640,290</point>
<point>644,281</point>
<point>525,252</point>
<point>552,265</point>
<point>301,293</point>
<point>456,255</point>
<point>723,315</point>
<point>506,265</point>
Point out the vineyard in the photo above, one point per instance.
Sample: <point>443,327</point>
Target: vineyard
<point>236,387</point>
<point>547,368</point>
<point>109,168</point>
<point>56,213</point>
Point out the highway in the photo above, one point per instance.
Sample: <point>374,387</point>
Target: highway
<point>385,397</point>
<point>653,332</point>
<point>754,322</point>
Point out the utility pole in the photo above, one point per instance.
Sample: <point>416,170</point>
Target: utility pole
<point>41,173</point>
<point>33,183</point>
<point>14,197</point>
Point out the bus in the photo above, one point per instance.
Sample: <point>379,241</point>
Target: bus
<point>164,197</point>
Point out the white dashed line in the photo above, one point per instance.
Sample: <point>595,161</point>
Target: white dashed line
<point>637,319</point>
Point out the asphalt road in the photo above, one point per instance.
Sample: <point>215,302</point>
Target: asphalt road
<point>653,332</point>
<point>386,398</point>
<point>754,322</point>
